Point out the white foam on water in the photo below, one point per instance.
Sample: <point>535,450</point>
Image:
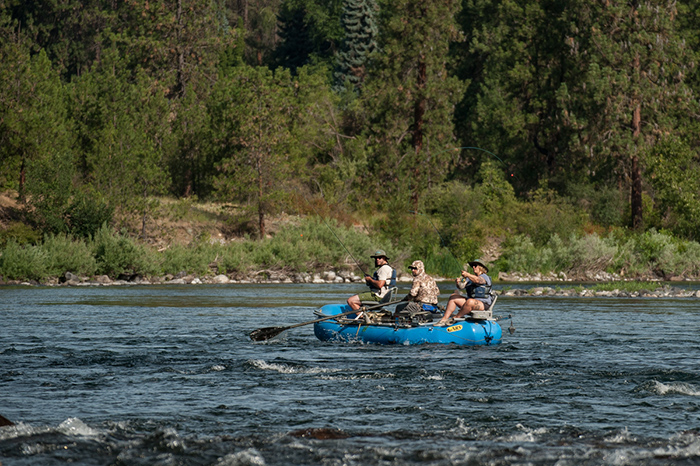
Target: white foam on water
<point>74,426</point>
<point>20,430</point>
<point>287,369</point>
<point>625,456</point>
<point>683,445</point>
<point>674,388</point>
<point>527,434</point>
<point>622,436</point>
<point>218,368</point>
<point>249,457</point>
<point>376,375</point>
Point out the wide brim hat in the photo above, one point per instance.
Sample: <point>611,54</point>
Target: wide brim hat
<point>479,262</point>
<point>379,253</point>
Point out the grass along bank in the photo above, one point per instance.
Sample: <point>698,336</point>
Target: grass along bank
<point>197,242</point>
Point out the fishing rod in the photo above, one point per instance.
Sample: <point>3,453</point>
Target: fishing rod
<point>336,237</point>
<point>442,240</point>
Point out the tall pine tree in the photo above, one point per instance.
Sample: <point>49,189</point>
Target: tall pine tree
<point>360,42</point>
<point>410,97</point>
<point>635,85</point>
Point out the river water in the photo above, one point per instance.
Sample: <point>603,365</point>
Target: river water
<point>166,375</point>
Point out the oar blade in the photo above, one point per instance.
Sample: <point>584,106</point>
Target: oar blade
<point>266,333</point>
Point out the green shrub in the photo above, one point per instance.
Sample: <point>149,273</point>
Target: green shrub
<point>674,174</point>
<point>194,259</point>
<point>453,211</point>
<point>652,245</point>
<point>86,214</point>
<point>544,216</point>
<point>590,253</point>
<point>116,254</point>
<point>20,233</point>
<point>64,254</point>
<point>234,258</point>
<point>23,262</point>
<point>327,244</point>
<point>441,262</point>
<point>520,254</point>
<point>654,251</point>
<point>681,258</point>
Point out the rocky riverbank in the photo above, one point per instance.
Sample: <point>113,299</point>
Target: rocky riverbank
<point>658,291</point>
<point>654,289</point>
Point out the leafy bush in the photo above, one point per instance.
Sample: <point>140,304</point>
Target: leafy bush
<point>116,254</point>
<point>544,216</point>
<point>520,254</point>
<point>50,189</point>
<point>23,262</point>
<point>64,254</point>
<point>234,258</point>
<point>454,206</point>
<point>86,214</point>
<point>674,174</point>
<point>194,258</point>
<point>495,193</point>
<point>590,253</point>
<point>651,246</point>
<point>441,262</point>
<point>685,259</point>
<point>20,233</point>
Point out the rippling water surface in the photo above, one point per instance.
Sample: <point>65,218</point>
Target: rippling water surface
<point>167,375</point>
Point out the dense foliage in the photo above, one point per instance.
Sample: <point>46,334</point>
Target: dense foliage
<point>528,121</point>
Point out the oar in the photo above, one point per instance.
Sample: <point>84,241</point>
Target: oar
<point>266,333</point>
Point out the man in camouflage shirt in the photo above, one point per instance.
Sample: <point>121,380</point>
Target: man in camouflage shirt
<point>424,289</point>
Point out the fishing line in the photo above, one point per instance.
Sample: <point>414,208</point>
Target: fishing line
<point>336,237</point>
<point>442,240</point>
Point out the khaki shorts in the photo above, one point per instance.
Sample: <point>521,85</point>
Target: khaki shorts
<point>368,296</point>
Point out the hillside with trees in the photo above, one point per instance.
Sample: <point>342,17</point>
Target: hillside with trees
<point>557,136</point>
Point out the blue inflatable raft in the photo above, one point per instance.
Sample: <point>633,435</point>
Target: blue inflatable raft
<point>395,331</point>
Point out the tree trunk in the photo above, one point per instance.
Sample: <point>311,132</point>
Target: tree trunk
<point>418,116</point>
<point>22,179</point>
<point>180,85</point>
<point>637,212</point>
<point>261,205</point>
<point>143,218</point>
<point>636,171</point>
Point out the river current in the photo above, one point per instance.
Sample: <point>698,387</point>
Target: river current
<point>166,375</point>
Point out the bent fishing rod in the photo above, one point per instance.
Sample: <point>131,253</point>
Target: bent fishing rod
<point>338,239</point>
<point>442,240</point>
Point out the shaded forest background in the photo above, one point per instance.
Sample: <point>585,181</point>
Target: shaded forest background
<point>447,130</point>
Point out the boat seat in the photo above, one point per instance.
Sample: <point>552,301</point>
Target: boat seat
<point>493,303</point>
<point>391,294</point>
<point>488,313</point>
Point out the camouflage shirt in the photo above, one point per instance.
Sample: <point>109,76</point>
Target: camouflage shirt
<point>424,289</point>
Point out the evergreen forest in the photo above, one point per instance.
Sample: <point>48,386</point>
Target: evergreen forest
<point>545,135</point>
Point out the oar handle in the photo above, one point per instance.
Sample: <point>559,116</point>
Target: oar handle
<point>321,319</point>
